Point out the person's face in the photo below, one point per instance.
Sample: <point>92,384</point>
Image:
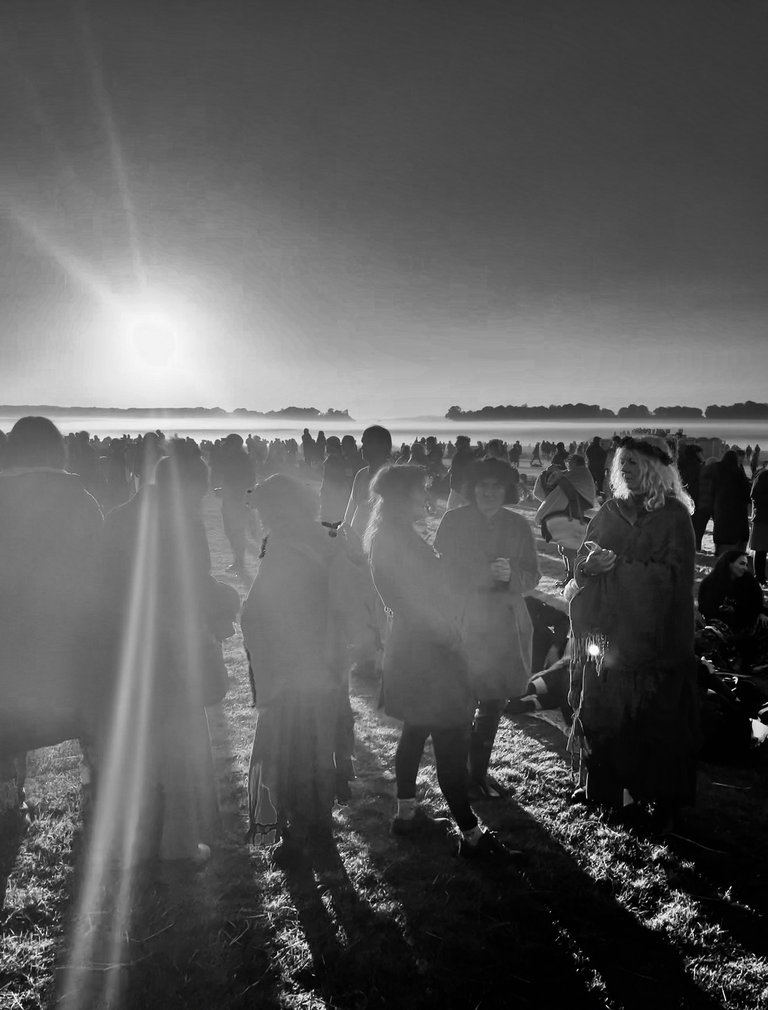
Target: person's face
<point>489,495</point>
<point>630,469</point>
<point>739,566</point>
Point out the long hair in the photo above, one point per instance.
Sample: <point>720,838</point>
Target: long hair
<point>720,577</point>
<point>394,487</point>
<point>658,480</point>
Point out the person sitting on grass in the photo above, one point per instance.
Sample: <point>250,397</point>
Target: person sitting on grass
<point>731,596</point>
<point>426,680</point>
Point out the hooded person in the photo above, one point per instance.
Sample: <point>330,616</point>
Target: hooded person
<point>489,556</point>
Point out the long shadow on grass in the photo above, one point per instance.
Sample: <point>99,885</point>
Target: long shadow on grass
<point>197,940</point>
<point>494,937</point>
<point>359,956</point>
<point>716,848</point>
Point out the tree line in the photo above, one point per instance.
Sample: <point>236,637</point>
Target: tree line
<point>749,410</point>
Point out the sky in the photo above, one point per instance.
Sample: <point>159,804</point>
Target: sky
<point>389,206</point>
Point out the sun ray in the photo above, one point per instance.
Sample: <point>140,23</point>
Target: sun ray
<point>110,865</point>
<point>104,106</point>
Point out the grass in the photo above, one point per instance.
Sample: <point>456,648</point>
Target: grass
<point>600,916</point>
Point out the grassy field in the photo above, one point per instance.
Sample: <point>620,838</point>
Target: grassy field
<point>600,916</point>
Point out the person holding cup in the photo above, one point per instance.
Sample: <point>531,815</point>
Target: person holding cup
<point>490,558</point>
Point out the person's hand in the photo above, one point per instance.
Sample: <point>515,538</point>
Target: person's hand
<point>599,560</point>
<point>501,570</point>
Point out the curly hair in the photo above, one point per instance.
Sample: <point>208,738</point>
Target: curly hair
<point>658,480</point>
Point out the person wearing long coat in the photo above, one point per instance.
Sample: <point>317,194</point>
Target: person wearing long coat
<point>633,668</point>
<point>426,681</point>
<point>167,616</point>
<point>730,509</point>
<point>758,541</point>
<point>50,673</point>
<point>299,616</point>
<point>490,559</point>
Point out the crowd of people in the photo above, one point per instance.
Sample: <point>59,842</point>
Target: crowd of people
<point>113,624</point>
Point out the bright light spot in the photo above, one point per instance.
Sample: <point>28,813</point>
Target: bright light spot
<point>154,337</point>
<point>593,650</point>
<point>152,328</point>
<point>154,340</point>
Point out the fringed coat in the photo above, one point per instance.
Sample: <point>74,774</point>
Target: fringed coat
<point>633,669</point>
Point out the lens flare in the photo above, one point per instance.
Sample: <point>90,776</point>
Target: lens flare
<point>155,760</point>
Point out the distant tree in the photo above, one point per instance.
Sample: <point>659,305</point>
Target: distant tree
<point>634,410</point>
<point>750,410</point>
<point>677,412</point>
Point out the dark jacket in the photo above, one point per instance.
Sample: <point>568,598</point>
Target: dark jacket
<point>736,602</point>
<point>49,628</point>
<point>730,509</point>
<point>425,676</point>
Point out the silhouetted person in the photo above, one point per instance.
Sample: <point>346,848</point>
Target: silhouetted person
<point>234,473</point>
<point>759,539</point>
<point>690,465</point>
<point>731,505</point>
<point>336,485</point>
<point>50,674</point>
<point>461,463</point>
<point>596,458</point>
<point>376,450</point>
<point>166,612</point>
<point>754,460</point>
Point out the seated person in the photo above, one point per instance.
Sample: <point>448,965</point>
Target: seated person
<point>730,598</point>
<point>548,688</point>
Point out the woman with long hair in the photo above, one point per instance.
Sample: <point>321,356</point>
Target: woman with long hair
<point>633,669</point>
<point>731,595</point>
<point>425,676</point>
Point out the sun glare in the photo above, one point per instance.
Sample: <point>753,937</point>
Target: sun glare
<point>153,336</point>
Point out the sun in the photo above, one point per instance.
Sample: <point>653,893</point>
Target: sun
<point>154,340</point>
<point>152,335</point>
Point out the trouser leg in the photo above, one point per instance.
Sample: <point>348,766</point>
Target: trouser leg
<point>482,737</point>
<point>410,747</point>
<point>700,519</point>
<point>451,746</point>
